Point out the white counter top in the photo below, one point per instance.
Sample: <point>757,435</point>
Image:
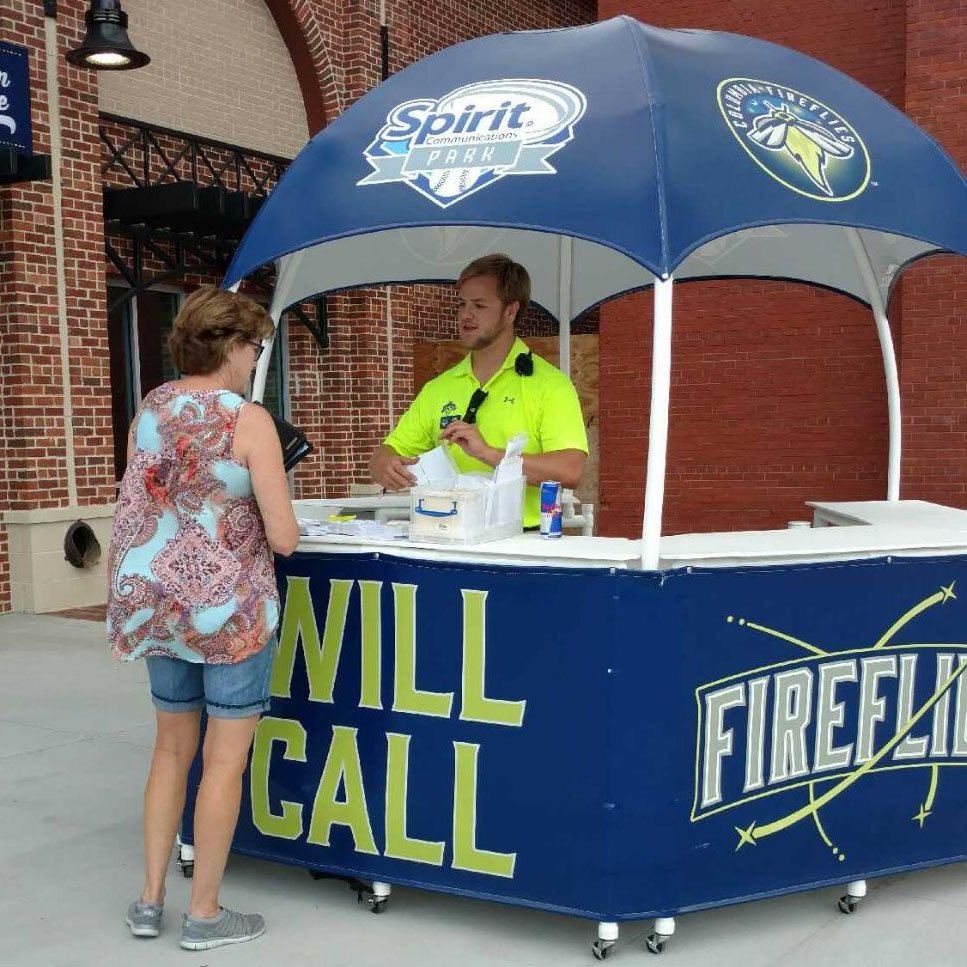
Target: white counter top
<point>524,550</point>
<point>902,528</point>
<point>912,513</point>
<point>809,545</point>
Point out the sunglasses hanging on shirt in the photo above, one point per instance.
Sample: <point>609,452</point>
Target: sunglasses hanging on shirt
<point>476,401</point>
<point>523,366</point>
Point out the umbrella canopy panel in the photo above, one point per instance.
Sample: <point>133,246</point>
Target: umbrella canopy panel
<point>814,254</point>
<point>611,157</point>
<point>699,153</point>
<point>437,254</point>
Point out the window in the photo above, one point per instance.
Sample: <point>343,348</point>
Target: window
<point>138,331</point>
<point>274,396</point>
<point>123,392</point>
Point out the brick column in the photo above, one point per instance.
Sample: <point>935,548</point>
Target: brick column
<point>933,357</point>
<point>42,488</point>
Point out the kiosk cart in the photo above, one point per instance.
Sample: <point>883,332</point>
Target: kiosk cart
<point>611,728</point>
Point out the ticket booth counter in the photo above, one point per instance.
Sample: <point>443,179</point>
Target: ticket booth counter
<point>619,729</point>
<point>545,723</point>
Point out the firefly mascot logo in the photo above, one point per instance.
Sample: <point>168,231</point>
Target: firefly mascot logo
<point>799,141</point>
<point>450,148</point>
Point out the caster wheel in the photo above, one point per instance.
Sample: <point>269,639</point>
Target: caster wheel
<point>602,949</point>
<point>377,905</point>
<point>655,943</point>
<point>187,869</point>
<point>847,904</point>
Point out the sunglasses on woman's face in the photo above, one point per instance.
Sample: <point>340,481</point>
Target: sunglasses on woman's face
<point>257,346</point>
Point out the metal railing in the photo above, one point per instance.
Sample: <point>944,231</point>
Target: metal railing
<point>143,155</point>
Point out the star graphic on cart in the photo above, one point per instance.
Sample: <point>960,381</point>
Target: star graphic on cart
<point>750,835</point>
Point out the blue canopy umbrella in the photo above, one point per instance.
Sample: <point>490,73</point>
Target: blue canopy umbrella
<point>608,158</point>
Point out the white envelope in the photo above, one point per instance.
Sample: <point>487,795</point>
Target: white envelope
<point>512,463</point>
<point>435,468</point>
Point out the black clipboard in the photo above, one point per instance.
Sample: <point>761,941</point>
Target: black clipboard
<point>295,444</point>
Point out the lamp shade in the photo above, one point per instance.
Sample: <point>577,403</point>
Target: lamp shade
<point>106,44</point>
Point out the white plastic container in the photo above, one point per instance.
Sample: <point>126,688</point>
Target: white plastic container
<point>467,516</point>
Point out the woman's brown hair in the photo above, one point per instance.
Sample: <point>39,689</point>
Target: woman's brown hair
<point>210,322</point>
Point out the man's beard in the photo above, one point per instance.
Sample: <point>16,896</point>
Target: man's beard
<point>482,341</point>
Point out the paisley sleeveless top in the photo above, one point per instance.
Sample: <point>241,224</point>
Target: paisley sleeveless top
<point>190,570</point>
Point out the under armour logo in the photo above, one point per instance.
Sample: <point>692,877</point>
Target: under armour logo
<point>510,399</point>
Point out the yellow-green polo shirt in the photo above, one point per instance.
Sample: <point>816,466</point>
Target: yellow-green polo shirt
<point>543,405</point>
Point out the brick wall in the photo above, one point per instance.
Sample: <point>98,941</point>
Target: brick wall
<point>27,329</point>
<point>218,69</point>
<point>777,391</point>
<point>33,465</point>
<point>84,248</point>
<point>934,297</point>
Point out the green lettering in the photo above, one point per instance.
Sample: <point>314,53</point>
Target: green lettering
<point>476,706</point>
<point>342,769</point>
<point>399,846</point>
<point>407,697</point>
<point>299,624</point>
<point>293,736</point>
<point>466,856</point>
<point>370,616</point>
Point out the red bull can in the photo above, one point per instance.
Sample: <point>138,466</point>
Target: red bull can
<point>552,509</point>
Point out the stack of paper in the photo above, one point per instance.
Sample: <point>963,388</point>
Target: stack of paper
<point>365,529</point>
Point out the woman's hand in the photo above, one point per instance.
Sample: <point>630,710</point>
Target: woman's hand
<point>257,445</point>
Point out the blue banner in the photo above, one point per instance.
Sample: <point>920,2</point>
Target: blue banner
<point>15,99</point>
<point>613,745</point>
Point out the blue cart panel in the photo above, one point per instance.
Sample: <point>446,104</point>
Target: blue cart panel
<point>612,744</point>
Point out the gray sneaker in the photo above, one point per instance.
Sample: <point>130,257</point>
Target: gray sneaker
<point>199,933</point>
<point>144,919</point>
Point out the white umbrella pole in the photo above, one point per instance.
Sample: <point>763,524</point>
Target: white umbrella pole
<point>262,367</point>
<point>661,362</point>
<point>564,306</point>
<point>390,363</point>
<point>865,266</point>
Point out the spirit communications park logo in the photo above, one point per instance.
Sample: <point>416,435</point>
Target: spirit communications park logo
<point>449,148</point>
<point>799,141</point>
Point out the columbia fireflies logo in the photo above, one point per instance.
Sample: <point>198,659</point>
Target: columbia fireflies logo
<point>771,730</point>
<point>796,139</point>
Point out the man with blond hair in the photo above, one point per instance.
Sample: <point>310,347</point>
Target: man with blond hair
<point>501,388</point>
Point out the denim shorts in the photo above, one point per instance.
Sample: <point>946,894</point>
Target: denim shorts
<point>227,691</point>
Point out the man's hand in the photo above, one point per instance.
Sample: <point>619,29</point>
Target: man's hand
<point>389,469</point>
<point>467,436</point>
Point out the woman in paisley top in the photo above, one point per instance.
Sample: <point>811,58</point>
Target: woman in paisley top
<point>203,503</point>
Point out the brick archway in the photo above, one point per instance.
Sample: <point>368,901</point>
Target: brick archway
<point>303,36</point>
